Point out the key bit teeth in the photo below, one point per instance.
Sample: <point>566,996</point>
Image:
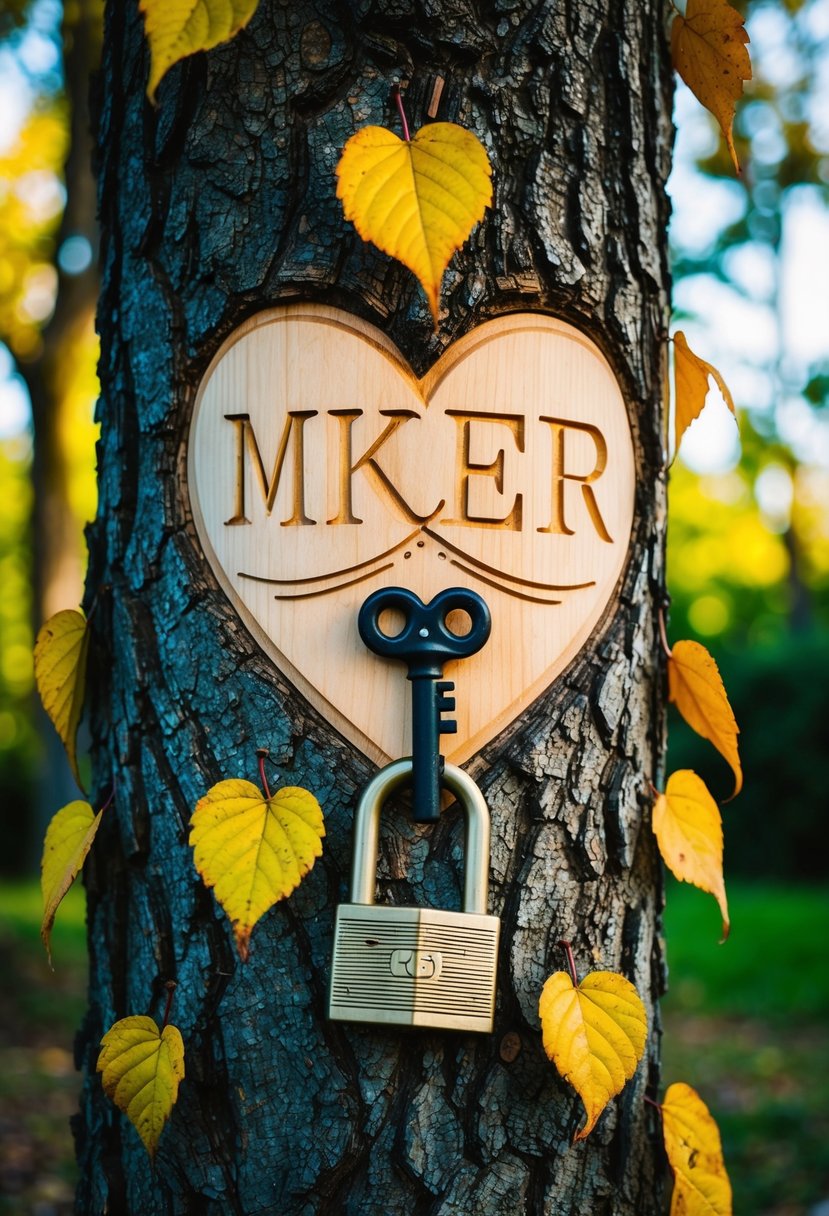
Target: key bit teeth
<point>442,686</point>
<point>449,727</point>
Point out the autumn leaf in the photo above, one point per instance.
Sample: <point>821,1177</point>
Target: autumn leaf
<point>691,386</point>
<point>594,1034</point>
<point>254,850</point>
<point>178,28</point>
<point>708,49</point>
<point>69,837</point>
<point>688,829</point>
<point>141,1069</point>
<point>60,655</point>
<point>696,689</point>
<point>694,1149</point>
<point>419,199</point>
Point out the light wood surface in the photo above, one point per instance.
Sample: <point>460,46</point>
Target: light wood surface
<point>508,469</point>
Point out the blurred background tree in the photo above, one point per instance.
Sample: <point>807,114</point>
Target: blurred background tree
<point>48,287</point>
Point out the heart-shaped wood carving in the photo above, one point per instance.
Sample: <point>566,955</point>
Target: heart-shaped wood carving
<point>320,469</point>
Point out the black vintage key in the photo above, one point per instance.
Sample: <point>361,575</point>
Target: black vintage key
<point>426,645</point>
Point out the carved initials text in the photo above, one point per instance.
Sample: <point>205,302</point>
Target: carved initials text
<point>472,429</point>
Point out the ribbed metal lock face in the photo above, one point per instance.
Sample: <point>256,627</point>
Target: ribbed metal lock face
<point>414,967</point>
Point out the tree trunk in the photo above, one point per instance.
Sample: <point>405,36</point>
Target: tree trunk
<point>216,204</point>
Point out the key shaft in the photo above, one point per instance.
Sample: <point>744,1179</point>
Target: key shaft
<point>427,761</point>
<point>425,645</point>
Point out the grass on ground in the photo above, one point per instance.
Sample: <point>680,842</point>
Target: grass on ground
<point>39,1014</point>
<point>746,1023</point>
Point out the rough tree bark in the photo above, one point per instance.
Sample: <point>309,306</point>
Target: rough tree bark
<point>216,204</point>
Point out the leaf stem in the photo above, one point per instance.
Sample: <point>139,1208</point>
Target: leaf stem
<point>262,755</point>
<point>571,962</point>
<point>395,92</point>
<point>651,1102</point>
<point>108,802</point>
<point>663,636</point>
<point>171,988</point>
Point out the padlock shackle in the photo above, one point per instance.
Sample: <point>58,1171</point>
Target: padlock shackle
<point>367,833</point>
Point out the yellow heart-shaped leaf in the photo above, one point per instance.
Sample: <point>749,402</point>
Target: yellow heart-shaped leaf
<point>688,828</point>
<point>69,837</point>
<point>691,386</point>
<point>419,199</point>
<point>254,850</point>
<point>60,654</point>
<point>694,1149</point>
<point>594,1034</point>
<point>178,28</point>
<point>695,687</point>
<point>141,1069</point>
<point>708,49</point>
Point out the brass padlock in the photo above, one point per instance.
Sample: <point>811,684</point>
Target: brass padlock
<point>416,966</point>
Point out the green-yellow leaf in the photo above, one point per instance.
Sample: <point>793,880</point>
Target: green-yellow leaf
<point>691,386</point>
<point>68,840</point>
<point>708,48</point>
<point>594,1034</point>
<point>254,850</point>
<point>417,200</point>
<point>696,689</point>
<point>688,828</point>
<point>60,655</point>
<point>178,28</point>
<point>141,1069</point>
<point>694,1149</point>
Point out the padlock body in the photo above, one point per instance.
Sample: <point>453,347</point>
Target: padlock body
<point>414,967</point>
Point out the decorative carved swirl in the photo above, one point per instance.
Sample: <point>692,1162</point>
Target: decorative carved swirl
<point>510,584</point>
